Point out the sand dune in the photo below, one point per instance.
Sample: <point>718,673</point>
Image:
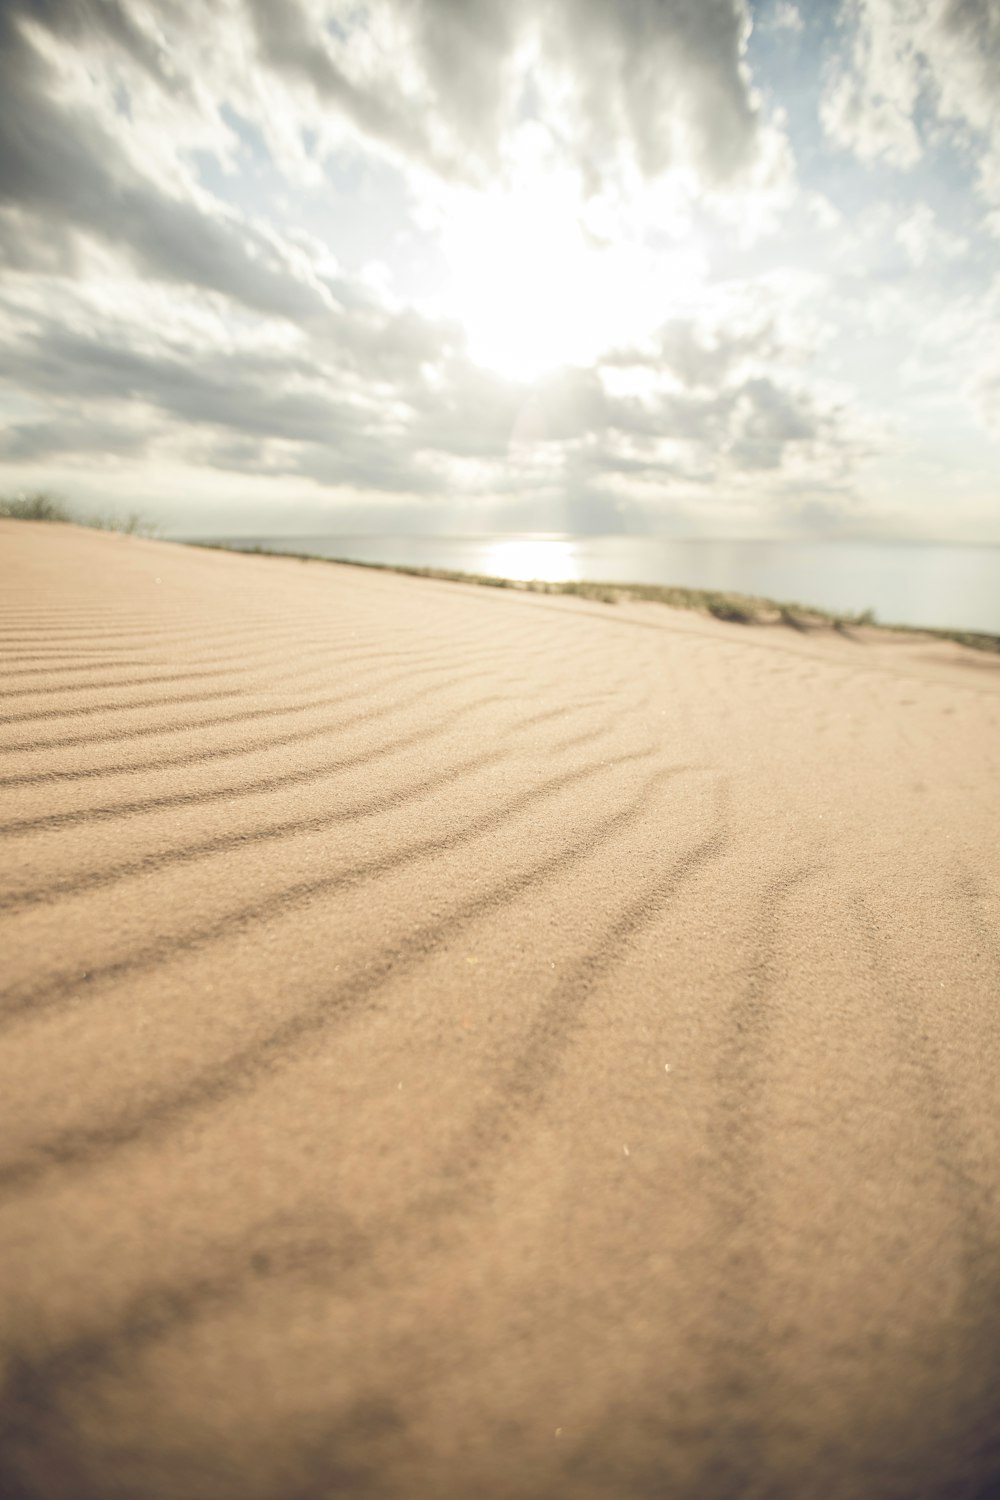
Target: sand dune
<point>468,1043</point>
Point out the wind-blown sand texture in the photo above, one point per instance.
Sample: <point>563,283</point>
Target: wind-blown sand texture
<point>461,1043</point>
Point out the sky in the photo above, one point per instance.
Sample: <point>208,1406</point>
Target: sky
<point>667,267</point>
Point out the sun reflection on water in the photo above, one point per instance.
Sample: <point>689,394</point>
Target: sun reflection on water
<point>550,558</point>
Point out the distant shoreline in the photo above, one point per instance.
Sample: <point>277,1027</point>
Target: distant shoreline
<point>731,606</point>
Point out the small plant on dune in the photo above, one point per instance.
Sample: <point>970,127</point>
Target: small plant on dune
<point>788,617</point>
<point>725,608</point>
<point>39,505</point>
<point>131,525</point>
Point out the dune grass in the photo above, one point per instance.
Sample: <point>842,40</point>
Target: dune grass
<point>40,505</point>
<point>738,609</point>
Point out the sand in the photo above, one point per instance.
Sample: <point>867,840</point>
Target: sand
<point>467,1043</point>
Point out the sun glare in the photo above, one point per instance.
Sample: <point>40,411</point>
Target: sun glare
<point>519,284</point>
<point>535,289</point>
<point>551,558</point>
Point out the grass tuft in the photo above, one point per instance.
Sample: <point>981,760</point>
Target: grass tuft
<point>724,607</point>
<point>39,505</point>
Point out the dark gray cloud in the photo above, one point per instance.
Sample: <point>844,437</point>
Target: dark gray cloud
<point>252,412</point>
<point>258,395</point>
<point>69,433</point>
<point>768,419</point>
<point>666,74</point>
<point>291,43</point>
<point>465,47</point>
<point>976,25</point>
<point>53,252</point>
<point>112,22</point>
<point>660,77</point>
<point>700,357</point>
<point>63,169</point>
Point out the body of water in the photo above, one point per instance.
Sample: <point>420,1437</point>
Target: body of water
<point>905,583</point>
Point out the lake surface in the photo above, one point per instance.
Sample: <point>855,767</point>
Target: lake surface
<point>905,583</point>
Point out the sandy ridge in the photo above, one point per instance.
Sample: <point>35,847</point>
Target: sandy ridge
<point>465,1042</point>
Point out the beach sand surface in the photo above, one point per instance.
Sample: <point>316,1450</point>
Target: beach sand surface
<point>459,1042</point>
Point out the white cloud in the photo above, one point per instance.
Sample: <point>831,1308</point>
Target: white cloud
<point>924,239</point>
<point>906,55</point>
<point>870,102</point>
<point>787,17</point>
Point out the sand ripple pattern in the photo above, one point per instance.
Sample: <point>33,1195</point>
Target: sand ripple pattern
<point>457,1043</point>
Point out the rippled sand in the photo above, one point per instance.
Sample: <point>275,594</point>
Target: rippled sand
<point>463,1043</point>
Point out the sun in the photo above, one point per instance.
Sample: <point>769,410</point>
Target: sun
<point>533,288</point>
<point>543,270</point>
<point>517,283</point>
<point>541,277</point>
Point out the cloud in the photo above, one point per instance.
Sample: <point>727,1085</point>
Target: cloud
<point>987,398</point>
<point>109,21</point>
<point>667,79</point>
<point>62,171</point>
<point>870,101</point>
<point>924,239</point>
<point>787,17</point>
<point>285,397</point>
<point>394,405</point>
<point>71,433</point>
<point>704,357</point>
<point>290,41</point>
<point>940,58</point>
<point>447,81</point>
